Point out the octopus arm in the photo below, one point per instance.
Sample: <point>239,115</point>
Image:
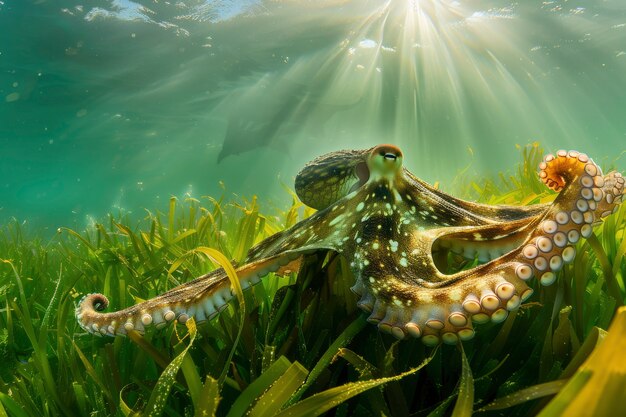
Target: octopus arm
<point>467,212</point>
<point>203,298</point>
<point>484,243</point>
<point>327,229</point>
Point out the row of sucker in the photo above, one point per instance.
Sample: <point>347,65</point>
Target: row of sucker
<point>173,306</point>
<point>586,197</point>
<point>489,301</point>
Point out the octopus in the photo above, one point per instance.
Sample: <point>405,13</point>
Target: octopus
<point>396,232</point>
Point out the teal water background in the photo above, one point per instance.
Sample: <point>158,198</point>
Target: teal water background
<point>118,105</point>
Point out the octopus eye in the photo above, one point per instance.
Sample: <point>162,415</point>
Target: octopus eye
<point>385,159</point>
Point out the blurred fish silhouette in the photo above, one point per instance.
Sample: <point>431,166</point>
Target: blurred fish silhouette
<point>271,113</point>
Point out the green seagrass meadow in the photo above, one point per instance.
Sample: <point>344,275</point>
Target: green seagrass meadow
<point>295,346</point>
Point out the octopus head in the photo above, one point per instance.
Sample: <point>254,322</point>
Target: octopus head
<point>384,161</point>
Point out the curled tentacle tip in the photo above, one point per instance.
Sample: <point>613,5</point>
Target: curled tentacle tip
<point>557,171</point>
<point>95,301</point>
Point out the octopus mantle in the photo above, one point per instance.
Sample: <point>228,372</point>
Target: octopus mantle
<point>394,230</point>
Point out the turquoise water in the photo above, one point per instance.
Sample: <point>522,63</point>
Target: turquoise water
<point>118,105</point>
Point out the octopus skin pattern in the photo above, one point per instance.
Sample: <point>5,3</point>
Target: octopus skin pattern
<point>391,227</point>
